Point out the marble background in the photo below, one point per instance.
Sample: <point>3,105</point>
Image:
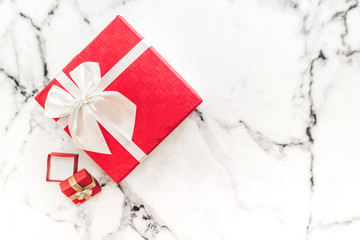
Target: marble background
<point>272,152</point>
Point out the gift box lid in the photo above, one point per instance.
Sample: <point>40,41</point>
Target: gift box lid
<point>75,158</point>
<point>163,99</point>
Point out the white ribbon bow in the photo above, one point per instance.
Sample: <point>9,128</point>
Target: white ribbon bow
<point>85,193</point>
<point>111,109</point>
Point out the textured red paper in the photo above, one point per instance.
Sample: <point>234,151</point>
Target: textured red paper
<point>83,178</point>
<point>162,96</point>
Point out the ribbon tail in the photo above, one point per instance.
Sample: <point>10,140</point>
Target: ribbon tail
<point>116,110</point>
<point>117,115</point>
<point>85,131</point>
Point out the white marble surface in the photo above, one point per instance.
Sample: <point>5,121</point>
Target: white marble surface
<point>272,152</point>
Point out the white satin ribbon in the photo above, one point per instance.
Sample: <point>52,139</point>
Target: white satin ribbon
<point>86,104</point>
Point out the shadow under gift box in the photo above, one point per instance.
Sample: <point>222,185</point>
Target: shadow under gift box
<point>82,179</point>
<point>162,97</point>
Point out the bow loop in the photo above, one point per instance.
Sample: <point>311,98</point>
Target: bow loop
<point>87,76</point>
<point>111,109</point>
<point>59,103</point>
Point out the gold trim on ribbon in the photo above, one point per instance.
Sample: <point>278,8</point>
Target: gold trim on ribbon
<point>81,192</point>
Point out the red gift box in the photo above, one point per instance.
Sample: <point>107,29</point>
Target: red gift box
<point>162,97</point>
<point>57,154</point>
<point>80,187</point>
